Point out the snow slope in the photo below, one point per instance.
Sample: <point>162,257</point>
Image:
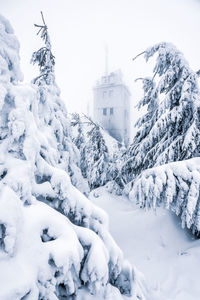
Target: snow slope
<point>154,242</point>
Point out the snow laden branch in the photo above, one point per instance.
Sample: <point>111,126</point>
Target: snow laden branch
<point>98,151</point>
<point>169,130</point>
<point>52,113</point>
<point>44,57</point>
<point>174,185</point>
<point>53,240</point>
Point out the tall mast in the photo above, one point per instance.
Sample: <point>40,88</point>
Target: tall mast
<point>106,60</point>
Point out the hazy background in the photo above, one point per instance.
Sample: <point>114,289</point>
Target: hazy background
<point>80,29</point>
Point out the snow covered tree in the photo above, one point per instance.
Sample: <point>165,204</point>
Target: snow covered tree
<point>169,131</point>
<point>98,151</point>
<point>95,156</point>
<point>145,124</point>
<point>53,240</point>
<point>79,140</point>
<point>52,112</point>
<point>44,57</point>
<point>176,186</point>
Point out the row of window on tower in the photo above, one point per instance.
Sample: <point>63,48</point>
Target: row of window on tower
<point>107,93</point>
<point>107,110</point>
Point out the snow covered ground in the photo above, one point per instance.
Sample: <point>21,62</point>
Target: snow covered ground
<point>168,256</point>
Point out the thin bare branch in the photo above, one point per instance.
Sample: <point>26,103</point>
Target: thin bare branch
<point>92,122</point>
<point>39,30</point>
<point>140,78</point>
<point>89,119</point>
<point>139,55</point>
<point>154,75</point>
<point>43,18</point>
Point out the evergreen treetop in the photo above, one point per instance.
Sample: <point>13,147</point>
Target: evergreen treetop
<point>44,57</point>
<point>169,131</point>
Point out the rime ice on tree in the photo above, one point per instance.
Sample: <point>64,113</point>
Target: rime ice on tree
<point>53,113</point>
<point>96,160</point>
<point>176,186</point>
<point>44,57</point>
<point>169,131</point>
<point>50,234</point>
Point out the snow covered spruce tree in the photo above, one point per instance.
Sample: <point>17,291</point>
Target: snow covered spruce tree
<point>52,111</point>
<point>79,139</point>
<point>169,131</point>
<point>53,240</point>
<point>96,160</point>
<point>96,154</point>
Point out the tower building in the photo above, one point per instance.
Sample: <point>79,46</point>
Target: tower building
<point>111,107</point>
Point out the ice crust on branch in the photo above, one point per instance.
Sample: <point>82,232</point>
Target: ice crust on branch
<point>53,240</point>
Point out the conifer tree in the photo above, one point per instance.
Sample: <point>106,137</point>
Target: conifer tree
<point>44,57</point>
<point>93,152</point>
<point>99,153</point>
<point>79,139</point>
<point>50,233</point>
<point>53,113</point>
<point>97,158</point>
<point>169,131</point>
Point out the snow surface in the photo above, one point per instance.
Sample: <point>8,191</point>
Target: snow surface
<point>168,256</point>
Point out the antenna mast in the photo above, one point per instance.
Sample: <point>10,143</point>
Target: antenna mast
<point>106,60</point>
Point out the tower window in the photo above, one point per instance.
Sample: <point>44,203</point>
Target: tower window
<point>111,77</point>
<point>110,93</point>
<point>104,94</point>
<point>111,111</point>
<point>104,79</point>
<point>104,111</point>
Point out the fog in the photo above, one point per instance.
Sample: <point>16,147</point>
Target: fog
<point>79,31</point>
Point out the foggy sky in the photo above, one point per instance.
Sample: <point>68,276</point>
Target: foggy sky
<point>80,29</point>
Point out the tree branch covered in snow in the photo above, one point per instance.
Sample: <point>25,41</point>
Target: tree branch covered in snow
<point>44,57</point>
<point>53,115</point>
<point>96,154</point>
<point>53,240</point>
<point>169,130</point>
<point>174,185</point>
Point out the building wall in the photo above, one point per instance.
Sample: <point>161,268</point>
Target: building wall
<point>112,106</point>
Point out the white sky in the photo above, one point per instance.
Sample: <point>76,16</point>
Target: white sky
<point>79,30</point>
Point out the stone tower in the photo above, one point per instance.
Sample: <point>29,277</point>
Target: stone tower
<point>111,107</point>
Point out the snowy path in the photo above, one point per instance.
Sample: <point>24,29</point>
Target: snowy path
<point>168,256</point>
